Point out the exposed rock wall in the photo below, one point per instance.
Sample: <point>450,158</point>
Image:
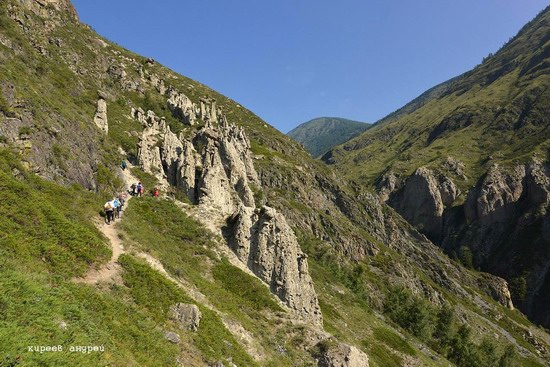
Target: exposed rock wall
<point>265,242</point>
<point>423,199</point>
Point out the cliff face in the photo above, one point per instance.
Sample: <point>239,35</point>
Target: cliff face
<point>502,220</point>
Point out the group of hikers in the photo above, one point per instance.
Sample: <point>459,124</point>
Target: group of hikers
<point>114,206</point>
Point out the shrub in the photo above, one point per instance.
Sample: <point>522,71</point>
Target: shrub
<point>410,312</point>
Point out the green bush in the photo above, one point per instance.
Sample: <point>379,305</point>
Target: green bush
<point>410,312</point>
<point>107,181</point>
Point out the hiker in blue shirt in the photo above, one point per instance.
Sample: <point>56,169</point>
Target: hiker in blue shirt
<point>116,205</point>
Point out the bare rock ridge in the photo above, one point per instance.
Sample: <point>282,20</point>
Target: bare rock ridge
<point>215,169</point>
<point>51,8</point>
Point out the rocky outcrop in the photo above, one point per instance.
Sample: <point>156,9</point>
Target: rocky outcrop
<point>189,168</point>
<point>50,9</point>
<point>181,107</point>
<point>423,199</point>
<point>100,117</point>
<point>497,288</point>
<point>342,355</point>
<point>187,316</point>
<point>149,152</point>
<point>492,200</point>
<point>264,241</point>
<point>226,168</point>
<point>386,185</point>
<point>215,169</point>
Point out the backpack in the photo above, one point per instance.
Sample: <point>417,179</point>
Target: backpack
<point>108,206</point>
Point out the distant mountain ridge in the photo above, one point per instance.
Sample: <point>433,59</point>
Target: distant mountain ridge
<point>323,133</point>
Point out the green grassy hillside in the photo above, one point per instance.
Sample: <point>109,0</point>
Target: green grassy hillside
<point>496,113</point>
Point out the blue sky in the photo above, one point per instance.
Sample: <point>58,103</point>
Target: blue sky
<point>292,60</point>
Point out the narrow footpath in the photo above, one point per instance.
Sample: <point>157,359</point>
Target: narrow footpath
<point>111,269</point>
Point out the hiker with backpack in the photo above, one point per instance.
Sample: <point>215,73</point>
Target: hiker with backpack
<point>123,164</point>
<point>139,189</point>
<point>120,203</point>
<point>133,189</point>
<point>109,208</point>
<point>116,205</point>
<point>156,192</point>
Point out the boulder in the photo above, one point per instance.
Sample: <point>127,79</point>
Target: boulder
<point>172,337</point>
<point>341,355</point>
<point>187,316</point>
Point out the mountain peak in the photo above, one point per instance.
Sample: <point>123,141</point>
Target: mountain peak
<point>323,133</point>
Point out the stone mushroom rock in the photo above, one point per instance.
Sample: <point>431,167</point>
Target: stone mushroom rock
<point>266,243</point>
<point>187,316</point>
<point>188,167</point>
<point>149,152</point>
<point>172,149</point>
<point>100,117</point>
<point>227,168</point>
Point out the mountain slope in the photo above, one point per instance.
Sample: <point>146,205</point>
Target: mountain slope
<point>468,166</point>
<point>323,133</point>
<point>246,222</point>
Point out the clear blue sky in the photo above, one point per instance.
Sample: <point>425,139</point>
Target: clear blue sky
<point>292,60</point>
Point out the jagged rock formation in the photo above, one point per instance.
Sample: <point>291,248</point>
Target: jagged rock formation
<point>180,105</point>
<point>51,8</point>
<point>100,117</point>
<point>216,170</point>
<point>149,154</point>
<point>265,242</point>
<point>342,355</point>
<point>505,208</point>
